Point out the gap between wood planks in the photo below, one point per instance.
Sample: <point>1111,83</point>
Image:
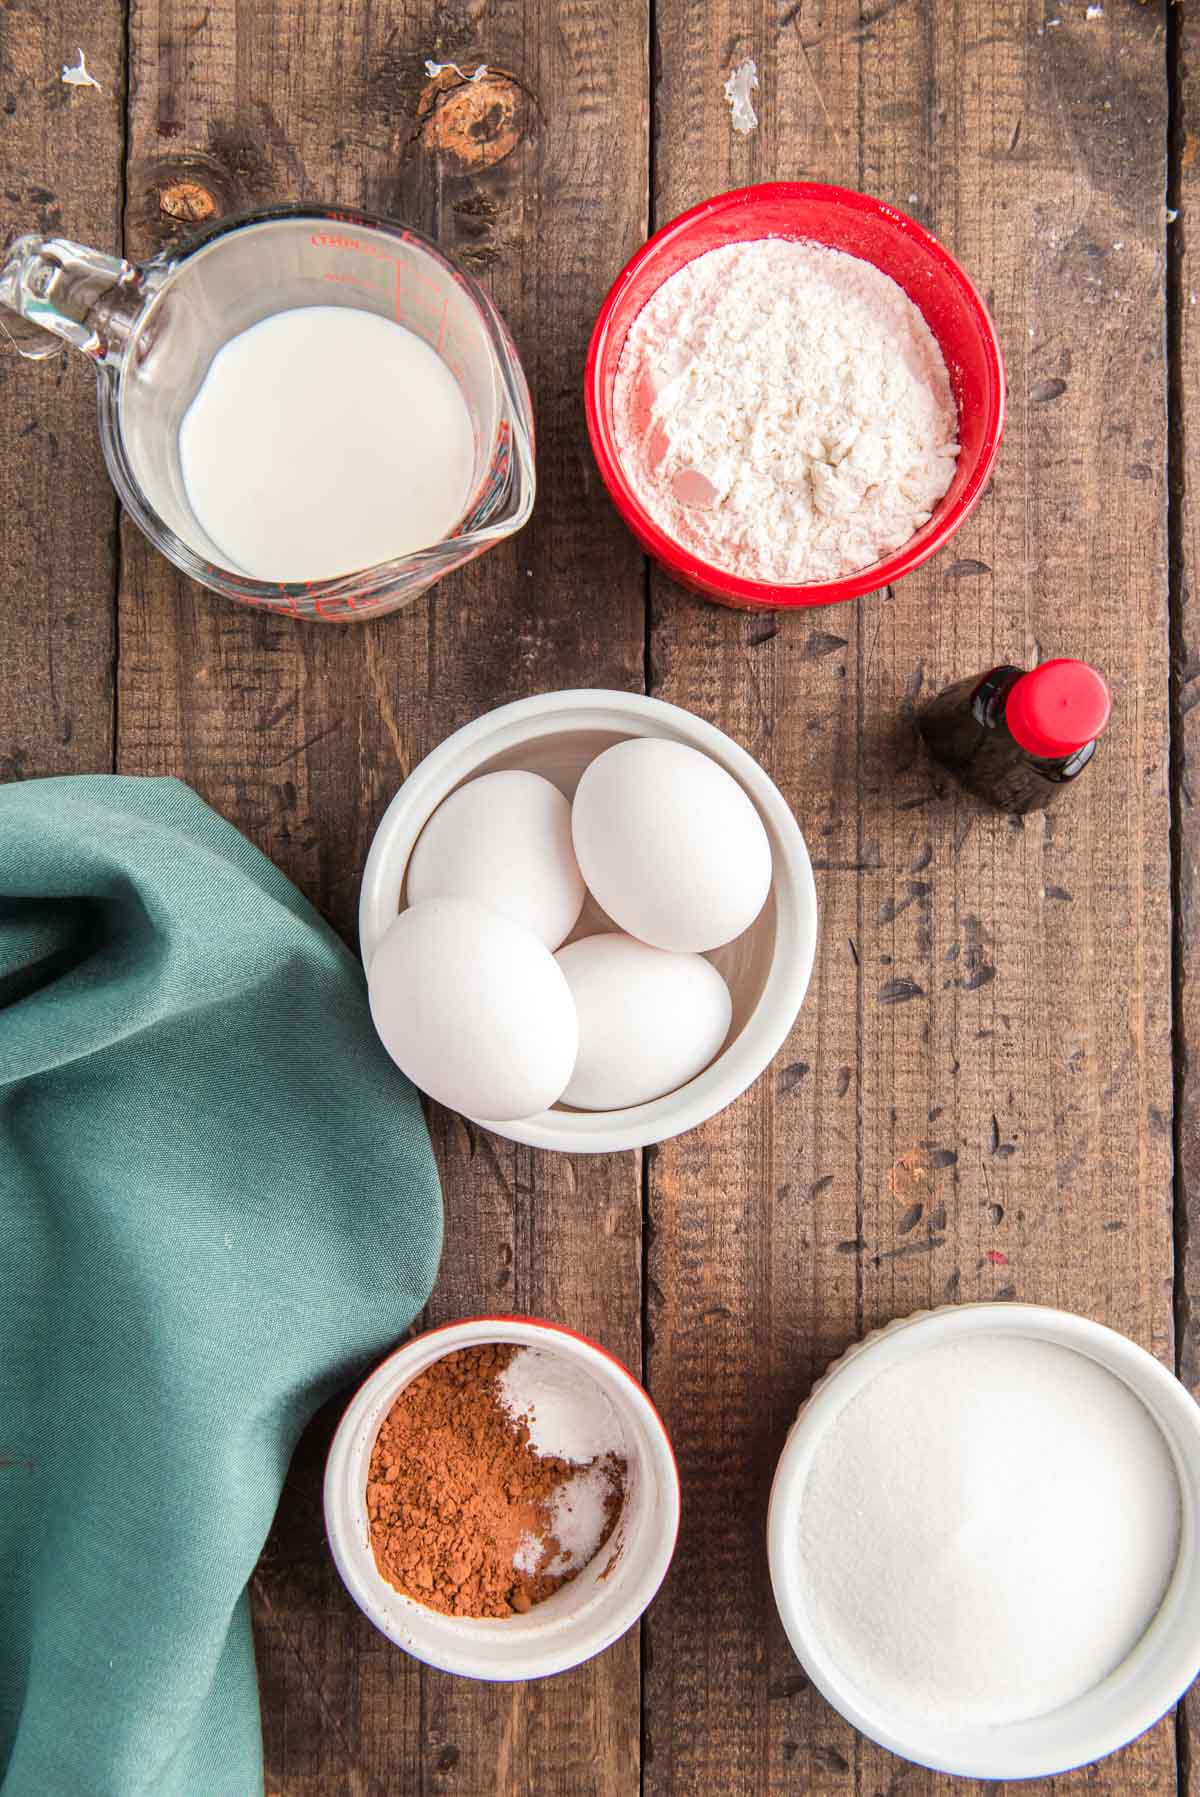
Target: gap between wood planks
<point>1176,586</point>
<point>1174,305</point>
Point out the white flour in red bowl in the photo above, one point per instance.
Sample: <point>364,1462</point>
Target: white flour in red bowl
<point>783,411</point>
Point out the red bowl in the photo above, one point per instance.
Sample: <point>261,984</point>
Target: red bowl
<point>811,212</point>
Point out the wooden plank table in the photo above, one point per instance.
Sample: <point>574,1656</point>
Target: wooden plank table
<point>983,1093</point>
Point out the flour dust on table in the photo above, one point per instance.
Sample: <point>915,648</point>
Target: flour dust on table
<point>324,440</point>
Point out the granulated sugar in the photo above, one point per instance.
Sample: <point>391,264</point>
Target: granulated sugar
<point>784,411</point>
<point>986,1531</point>
<point>579,1521</point>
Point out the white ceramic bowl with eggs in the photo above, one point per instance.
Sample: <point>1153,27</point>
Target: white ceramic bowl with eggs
<point>582,1617</point>
<point>1137,1692</point>
<point>767,968</point>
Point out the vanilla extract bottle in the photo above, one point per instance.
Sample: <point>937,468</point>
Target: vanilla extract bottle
<point>1017,738</point>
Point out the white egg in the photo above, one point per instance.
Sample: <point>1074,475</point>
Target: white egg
<point>648,1020</point>
<point>505,841</point>
<point>475,1009</point>
<point>670,845</point>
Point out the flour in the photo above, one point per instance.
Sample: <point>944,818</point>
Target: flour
<point>565,1411</point>
<point>738,88</point>
<point>433,69</point>
<point>78,74</point>
<point>568,1418</point>
<point>986,1531</point>
<point>783,411</point>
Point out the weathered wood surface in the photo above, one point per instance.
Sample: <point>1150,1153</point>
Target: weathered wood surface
<point>1184,349</point>
<point>60,152</point>
<point>302,736</point>
<point>977,1100</point>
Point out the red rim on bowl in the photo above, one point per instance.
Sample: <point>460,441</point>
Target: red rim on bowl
<point>539,1645</point>
<point>810,211</point>
<point>503,1317</point>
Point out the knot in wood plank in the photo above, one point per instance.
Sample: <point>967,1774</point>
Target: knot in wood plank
<point>188,202</point>
<point>473,123</point>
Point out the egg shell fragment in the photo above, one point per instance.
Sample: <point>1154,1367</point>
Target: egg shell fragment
<point>474,1009</point>
<point>505,841</point>
<point>649,1020</point>
<point>670,846</point>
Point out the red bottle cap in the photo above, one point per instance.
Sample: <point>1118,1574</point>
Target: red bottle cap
<point>1057,708</point>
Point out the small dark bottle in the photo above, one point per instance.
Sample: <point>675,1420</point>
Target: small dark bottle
<point>1015,738</point>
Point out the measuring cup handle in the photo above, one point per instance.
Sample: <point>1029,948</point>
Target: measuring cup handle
<point>69,292</point>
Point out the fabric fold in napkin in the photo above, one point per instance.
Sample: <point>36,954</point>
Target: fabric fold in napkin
<point>217,1201</point>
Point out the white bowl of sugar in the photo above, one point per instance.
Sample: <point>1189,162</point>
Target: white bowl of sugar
<point>983,1539</point>
<point>569,1383</point>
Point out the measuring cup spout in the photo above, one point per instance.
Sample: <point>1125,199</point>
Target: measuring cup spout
<point>68,293</point>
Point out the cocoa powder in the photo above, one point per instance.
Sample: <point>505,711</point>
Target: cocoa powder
<point>454,1489</point>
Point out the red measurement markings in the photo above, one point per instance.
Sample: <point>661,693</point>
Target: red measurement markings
<point>350,280</point>
<point>287,606</point>
<point>338,605</point>
<point>325,240</point>
<point>329,240</point>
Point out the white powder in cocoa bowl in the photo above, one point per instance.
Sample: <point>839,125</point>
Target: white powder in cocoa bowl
<point>783,411</point>
<point>566,1417</point>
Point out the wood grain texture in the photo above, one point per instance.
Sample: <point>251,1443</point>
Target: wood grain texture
<point>300,735</point>
<point>1184,344</point>
<point>977,1099</point>
<point>61,152</point>
<point>978,1095</point>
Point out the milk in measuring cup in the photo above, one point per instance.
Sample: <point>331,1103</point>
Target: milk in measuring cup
<point>324,440</point>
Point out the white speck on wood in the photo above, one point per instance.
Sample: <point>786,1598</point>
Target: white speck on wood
<point>738,88</point>
<point>437,68</point>
<point>1095,12</point>
<point>77,74</point>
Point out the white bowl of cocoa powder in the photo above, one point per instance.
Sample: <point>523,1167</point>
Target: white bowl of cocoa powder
<point>501,1498</point>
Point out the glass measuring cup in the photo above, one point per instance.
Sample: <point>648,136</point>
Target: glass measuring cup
<point>153,328</point>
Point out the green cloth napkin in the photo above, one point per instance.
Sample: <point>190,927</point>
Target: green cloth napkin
<point>217,1200</point>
